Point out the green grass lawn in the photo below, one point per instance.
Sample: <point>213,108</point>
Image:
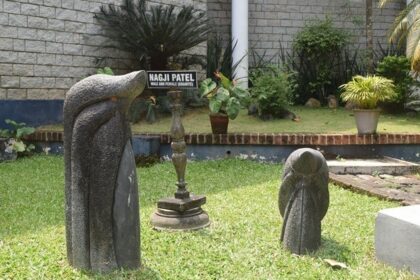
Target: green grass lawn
<point>322,120</point>
<point>241,243</point>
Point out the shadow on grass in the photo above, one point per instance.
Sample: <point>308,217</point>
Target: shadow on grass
<point>204,178</point>
<point>32,189</point>
<point>144,273</point>
<point>331,249</point>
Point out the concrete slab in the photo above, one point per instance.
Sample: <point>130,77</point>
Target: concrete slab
<point>397,237</point>
<point>403,189</point>
<point>385,165</point>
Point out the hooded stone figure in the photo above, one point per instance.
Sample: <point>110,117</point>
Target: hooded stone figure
<point>303,200</point>
<point>102,211</point>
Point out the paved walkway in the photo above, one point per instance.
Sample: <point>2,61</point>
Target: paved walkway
<point>403,188</point>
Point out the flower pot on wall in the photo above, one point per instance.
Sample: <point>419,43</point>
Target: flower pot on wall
<point>219,123</point>
<point>366,120</point>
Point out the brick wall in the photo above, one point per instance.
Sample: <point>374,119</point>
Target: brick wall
<point>48,45</point>
<point>275,22</point>
<point>310,139</point>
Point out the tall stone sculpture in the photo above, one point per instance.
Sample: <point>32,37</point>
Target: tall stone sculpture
<point>102,211</point>
<point>303,200</point>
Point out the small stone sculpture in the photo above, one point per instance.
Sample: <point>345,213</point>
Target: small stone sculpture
<point>332,101</point>
<point>303,200</point>
<point>102,211</point>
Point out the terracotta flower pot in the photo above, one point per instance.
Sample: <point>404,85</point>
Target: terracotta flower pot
<point>366,120</point>
<point>219,123</point>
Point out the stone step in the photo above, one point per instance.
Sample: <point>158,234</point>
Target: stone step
<point>376,166</point>
<point>397,237</point>
<point>403,189</point>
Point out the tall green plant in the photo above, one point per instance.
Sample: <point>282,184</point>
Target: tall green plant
<point>220,57</point>
<point>317,52</point>
<point>156,34</point>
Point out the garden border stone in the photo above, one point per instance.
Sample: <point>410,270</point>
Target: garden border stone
<point>397,237</point>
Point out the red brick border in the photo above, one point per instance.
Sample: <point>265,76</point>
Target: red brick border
<point>268,138</point>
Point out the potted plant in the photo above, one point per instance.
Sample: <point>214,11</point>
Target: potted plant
<point>365,93</point>
<point>11,142</point>
<point>226,98</point>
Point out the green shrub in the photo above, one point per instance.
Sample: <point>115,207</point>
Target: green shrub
<point>270,92</point>
<point>317,55</point>
<point>397,68</point>
<point>15,135</point>
<point>105,71</point>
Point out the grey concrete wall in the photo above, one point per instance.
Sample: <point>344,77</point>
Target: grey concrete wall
<point>48,45</point>
<point>275,22</point>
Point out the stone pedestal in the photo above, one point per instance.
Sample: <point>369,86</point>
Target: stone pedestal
<point>180,214</point>
<point>183,211</point>
<point>397,237</point>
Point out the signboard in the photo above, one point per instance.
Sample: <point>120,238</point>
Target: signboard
<point>172,79</point>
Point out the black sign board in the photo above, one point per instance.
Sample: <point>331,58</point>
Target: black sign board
<point>172,79</point>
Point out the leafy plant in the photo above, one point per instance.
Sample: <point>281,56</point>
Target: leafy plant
<point>270,91</point>
<point>15,135</point>
<point>397,68</point>
<point>105,71</point>
<point>406,26</point>
<point>317,55</point>
<point>367,91</point>
<point>156,34</point>
<point>225,96</point>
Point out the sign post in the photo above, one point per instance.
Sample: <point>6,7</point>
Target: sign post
<point>183,211</point>
<point>172,79</point>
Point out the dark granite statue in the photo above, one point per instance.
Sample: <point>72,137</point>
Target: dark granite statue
<point>303,200</point>
<point>102,211</point>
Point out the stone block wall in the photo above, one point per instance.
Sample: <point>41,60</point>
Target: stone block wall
<point>273,23</point>
<point>48,45</point>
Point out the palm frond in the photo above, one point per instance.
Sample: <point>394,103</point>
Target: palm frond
<point>157,33</point>
<point>401,20</point>
<point>415,60</point>
<point>413,37</point>
<point>405,26</point>
<point>382,3</point>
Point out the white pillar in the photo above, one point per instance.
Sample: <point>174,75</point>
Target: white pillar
<point>240,37</point>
